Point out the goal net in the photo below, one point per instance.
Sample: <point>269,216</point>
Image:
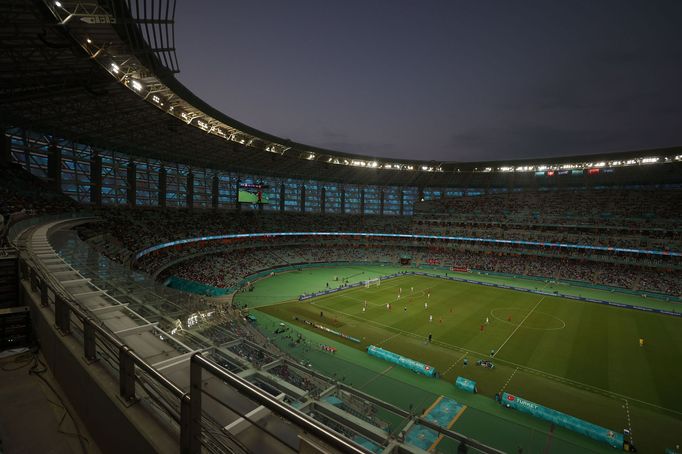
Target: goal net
<point>373,282</point>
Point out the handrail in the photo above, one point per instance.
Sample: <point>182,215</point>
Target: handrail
<point>192,432</point>
<point>253,392</point>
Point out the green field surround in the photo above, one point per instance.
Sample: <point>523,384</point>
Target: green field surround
<point>577,357</point>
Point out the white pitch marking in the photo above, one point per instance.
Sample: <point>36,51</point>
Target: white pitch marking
<point>497,351</point>
<point>508,380</point>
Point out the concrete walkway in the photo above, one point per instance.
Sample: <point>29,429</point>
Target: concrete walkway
<point>33,411</point>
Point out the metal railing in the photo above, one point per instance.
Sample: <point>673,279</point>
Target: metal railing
<point>133,372</point>
<point>197,430</point>
<point>198,364</point>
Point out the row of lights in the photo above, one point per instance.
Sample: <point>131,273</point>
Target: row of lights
<point>280,149</point>
<point>587,165</point>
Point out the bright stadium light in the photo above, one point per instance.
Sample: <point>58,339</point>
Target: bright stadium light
<point>136,85</point>
<point>115,68</point>
<point>88,40</point>
<point>58,4</point>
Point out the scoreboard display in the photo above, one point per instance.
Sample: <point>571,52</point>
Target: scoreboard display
<point>255,193</point>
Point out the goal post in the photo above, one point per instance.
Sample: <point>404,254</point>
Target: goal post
<point>373,282</point>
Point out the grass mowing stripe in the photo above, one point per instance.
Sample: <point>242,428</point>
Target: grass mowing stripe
<point>519,326</point>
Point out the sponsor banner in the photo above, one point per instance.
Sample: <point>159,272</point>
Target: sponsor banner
<point>466,384</point>
<point>594,431</point>
<point>329,330</point>
<point>400,360</point>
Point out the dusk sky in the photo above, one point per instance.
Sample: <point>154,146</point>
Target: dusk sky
<point>442,80</point>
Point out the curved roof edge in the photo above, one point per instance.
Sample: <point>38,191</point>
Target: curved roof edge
<point>134,64</point>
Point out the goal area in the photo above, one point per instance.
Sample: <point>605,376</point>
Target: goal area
<point>373,282</point>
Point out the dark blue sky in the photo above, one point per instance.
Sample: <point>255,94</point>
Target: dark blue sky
<point>443,80</point>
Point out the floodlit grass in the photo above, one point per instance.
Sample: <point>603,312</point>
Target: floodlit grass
<point>580,358</point>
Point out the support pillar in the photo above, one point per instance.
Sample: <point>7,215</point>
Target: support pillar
<point>54,167</point>
<point>302,198</point>
<point>215,191</point>
<point>343,201</point>
<point>238,206</point>
<point>132,184</point>
<point>381,202</point>
<point>5,149</point>
<point>323,200</point>
<point>96,179</point>
<point>190,190</point>
<point>162,187</point>
<point>362,202</point>
<point>402,202</point>
<point>282,193</point>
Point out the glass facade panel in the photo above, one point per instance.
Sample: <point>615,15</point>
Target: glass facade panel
<point>312,196</point>
<point>227,192</point>
<point>391,201</point>
<point>203,188</point>
<point>292,195</point>
<point>147,184</point>
<point>75,168</point>
<point>332,198</point>
<point>409,199</point>
<point>432,194</point>
<point>352,199</point>
<point>114,178</point>
<point>372,200</point>
<point>30,150</point>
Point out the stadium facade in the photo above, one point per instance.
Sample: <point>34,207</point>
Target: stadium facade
<point>91,106</point>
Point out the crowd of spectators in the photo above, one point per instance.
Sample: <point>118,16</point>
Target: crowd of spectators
<point>136,228</point>
<point>634,206</point>
<point>645,218</point>
<point>226,269</point>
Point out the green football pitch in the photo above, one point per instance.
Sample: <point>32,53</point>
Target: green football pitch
<point>580,358</point>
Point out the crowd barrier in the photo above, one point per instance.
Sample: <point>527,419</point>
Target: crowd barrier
<point>329,330</point>
<point>400,360</point>
<point>594,431</point>
<point>466,385</point>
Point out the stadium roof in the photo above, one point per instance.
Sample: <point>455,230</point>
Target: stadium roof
<point>102,73</point>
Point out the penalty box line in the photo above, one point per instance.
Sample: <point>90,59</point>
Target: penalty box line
<point>351,293</point>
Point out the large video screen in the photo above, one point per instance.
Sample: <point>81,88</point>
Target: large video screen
<point>253,193</point>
